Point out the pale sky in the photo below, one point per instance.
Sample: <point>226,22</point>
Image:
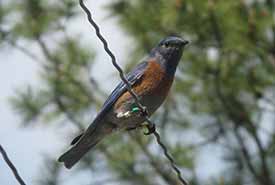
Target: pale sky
<point>26,147</point>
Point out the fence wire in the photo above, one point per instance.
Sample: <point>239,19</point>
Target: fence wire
<point>11,166</point>
<point>134,95</point>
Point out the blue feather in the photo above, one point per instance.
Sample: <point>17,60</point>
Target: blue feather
<point>121,88</point>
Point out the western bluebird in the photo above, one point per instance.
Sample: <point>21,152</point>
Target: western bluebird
<point>150,80</point>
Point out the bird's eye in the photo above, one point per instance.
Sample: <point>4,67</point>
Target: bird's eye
<point>166,44</point>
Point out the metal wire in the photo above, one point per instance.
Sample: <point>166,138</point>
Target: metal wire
<point>11,166</point>
<point>130,90</point>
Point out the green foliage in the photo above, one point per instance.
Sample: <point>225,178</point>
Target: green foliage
<point>224,85</point>
<point>39,17</point>
<point>66,73</point>
<point>67,86</point>
<point>29,104</point>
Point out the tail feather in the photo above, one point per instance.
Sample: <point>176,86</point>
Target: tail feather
<point>72,156</point>
<point>76,139</point>
<point>84,143</point>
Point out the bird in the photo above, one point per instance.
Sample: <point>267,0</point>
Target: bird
<point>151,80</point>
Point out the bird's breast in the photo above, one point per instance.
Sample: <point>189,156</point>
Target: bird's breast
<point>152,88</point>
<point>154,81</point>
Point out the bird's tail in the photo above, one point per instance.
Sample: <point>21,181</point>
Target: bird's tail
<point>84,143</point>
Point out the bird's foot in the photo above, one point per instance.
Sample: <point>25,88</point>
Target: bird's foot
<point>151,129</point>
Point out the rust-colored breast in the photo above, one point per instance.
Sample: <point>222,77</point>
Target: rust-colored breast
<point>154,82</point>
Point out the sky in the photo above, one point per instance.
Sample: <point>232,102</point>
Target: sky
<point>27,147</point>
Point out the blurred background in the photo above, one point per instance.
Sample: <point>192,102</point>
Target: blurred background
<point>218,121</point>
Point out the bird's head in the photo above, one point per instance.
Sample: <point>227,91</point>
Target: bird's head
<point>171,47</point>
<point>170,51</point>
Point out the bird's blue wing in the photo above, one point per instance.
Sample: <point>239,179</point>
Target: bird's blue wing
<point>132,78</point>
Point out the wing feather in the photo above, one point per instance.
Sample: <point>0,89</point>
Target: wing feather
<point>132,77</point>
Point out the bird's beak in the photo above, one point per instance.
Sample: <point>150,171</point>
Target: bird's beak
<point>185,42</point>
<point>182,42</point>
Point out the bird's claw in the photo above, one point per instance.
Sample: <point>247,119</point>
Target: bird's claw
<point>143,112</point>
<point>151,129</point>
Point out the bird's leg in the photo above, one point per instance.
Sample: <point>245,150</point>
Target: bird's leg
<point>144,113</point>
<point>151,128</point>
